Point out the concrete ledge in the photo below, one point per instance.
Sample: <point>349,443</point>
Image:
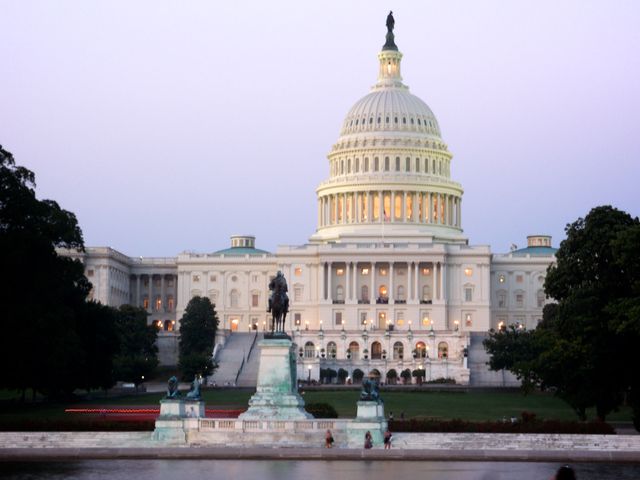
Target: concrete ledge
<point>275,453</point>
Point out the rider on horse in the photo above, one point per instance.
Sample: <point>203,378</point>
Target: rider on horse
<point>278,287</point>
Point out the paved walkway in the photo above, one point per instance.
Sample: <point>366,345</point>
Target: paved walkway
<point>297,453</point>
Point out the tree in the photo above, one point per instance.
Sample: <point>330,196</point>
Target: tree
<point>137,355</point>
<point>44,301</point>
<point>406,376</point>
<point>392,376</point>
<point>419,373</point>
<point>342,375</point>
<point>198,328</point>
<point>584,347</point>
<point>357,375</point>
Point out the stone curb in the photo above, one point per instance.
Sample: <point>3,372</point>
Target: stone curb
<point>222,453</point>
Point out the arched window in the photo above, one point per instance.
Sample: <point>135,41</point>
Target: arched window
<point>233,297</point>
<point>397,164</point>
<point>443,350</point>
<point>376,351</point>
<point>383,294</point>
<point>386,164</point>
<point>376,164</point>
<point>168,326</point>
<point>364,293</point>
<point>407,164</point>
<point>170,303</point>
<point>398,351</point>
<point>366,165</point>
<point>354,350</point>
<point>332,350</point>
<point>309,350</point>
<point>421,350</point>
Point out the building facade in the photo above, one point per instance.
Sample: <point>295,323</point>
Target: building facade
<point>387,283</point>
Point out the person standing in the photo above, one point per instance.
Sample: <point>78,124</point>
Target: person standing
<point>368,440</point>
<point>387,439</point>
<point>328,439</point>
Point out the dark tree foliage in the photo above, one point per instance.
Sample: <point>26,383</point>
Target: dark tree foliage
<point>357,375</point>
<point>342,375</point>
<point>137,355</point>
<point>584,347</point>
<point>198,328</point>
<point>44,301</point>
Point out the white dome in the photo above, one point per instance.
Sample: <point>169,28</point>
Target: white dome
<point>390,109</point>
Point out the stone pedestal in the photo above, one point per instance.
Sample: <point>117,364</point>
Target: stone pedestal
<point>175,414</point>
<point>369,418</point>
<point>276,396</point>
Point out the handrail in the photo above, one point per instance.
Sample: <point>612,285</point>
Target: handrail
<point>239,371</point>
<point>253,343</point>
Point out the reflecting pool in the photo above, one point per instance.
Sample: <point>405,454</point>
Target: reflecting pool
<point>306,470</point>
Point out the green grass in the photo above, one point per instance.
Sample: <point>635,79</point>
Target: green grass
<point>440,405</point>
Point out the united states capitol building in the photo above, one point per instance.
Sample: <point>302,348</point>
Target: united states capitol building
<point>387,282</point>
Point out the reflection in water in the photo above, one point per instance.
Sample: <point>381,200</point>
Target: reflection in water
<point>307,470</point>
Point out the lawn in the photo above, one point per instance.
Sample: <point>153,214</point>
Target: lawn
<point>439,405</point>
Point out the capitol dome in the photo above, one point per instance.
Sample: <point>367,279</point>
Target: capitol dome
<point>390,170</point>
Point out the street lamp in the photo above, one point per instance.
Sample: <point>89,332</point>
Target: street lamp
<point>457,324</point>
<point>309,368</point>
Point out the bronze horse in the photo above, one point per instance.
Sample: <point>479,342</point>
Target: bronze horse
<point>279,309</point>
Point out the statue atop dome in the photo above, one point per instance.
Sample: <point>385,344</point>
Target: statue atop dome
<point>390,43</point>
<point>390,22</point>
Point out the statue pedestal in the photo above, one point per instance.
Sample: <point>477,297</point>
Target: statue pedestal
<point>175,413</point>
<point>369,418</point>
<point>276,396</point>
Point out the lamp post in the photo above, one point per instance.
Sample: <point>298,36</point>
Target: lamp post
<point>309,367</point>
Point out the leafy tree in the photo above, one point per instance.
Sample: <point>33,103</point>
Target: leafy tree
<point>392,376</point>
<point>357,375</point>
<point>137,356</point>
<point>406,376</point>
<point>419,373</point>
<point>43,303</point>
<point>342,375</point>
<point>198,328</point>
<point>584,347</point>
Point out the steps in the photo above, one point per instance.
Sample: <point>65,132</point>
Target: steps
<point>231,357</point>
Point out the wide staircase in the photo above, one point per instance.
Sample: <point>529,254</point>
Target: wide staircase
<point>480,375</point>
<point>238,361</point>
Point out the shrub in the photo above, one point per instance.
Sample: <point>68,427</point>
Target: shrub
<point>321,410</point>
<point>342,375</point>
<point>357,375</point>
<point>442,381</point>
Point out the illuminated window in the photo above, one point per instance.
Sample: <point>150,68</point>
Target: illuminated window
<point>397,214</point>
<point>169,325</point>
<point>400,318</point>
<point>468,320</point>
<point>426,321</point>
<point>426,272</point>
<point>158,324</point>
<point>363,318</point>
<point>376,351</point>
<point>297,272</point>
<point>468,272</point>
<point>364,271</point>
<point>421,350</point>
<point>383,291</point>
<point>501,279</point>
<point>297,319</point>
<point>339,272</point>
<point>158,304</point>
<point>170,303</point>
<point>383,271</point>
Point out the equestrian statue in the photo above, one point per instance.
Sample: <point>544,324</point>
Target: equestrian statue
<point>278,304</point>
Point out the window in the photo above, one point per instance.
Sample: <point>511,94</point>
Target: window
<point>501,279</point>
<point>407,164</point>
<point>400,318</point>
<point>376,164</point>
<point>426,272</point>
<point>297,319</point>
<point>196,278</point>
<point>519,300</point>
<point>213,296</point>
<point>338,318</point>
<point>145,303</point>
<point>255,300</point>
<point>540,298</point>
<point>376,351</point>
<point>213,278</point>
<point>468,272</point>
<point>157,324</point>
<point>398,351</point>
<point>169,325</point>
<point>400,293</point>
<point>443,350</point>
<point>90,273</point>
<point>340,293</point>
<point>397,164</point>
<point>364,293</point>
<point>365,271</point>
<point>354,350</point>
<point>502,299</point>
<point>468,321</point>
<point>332,350</point>
<point>386,164</point>
<point>426,293</point>
<point>170,303</point>
<point>421,350</point>
<point>297,294</point>
<point>158,304</point>
<point>233,297</point>
<point>519,278</point>
<point>309,350</point>
<point>366,165</point>
<point>297,272</point>
<point>426,321</point>
<point>363,318</point>
<point>339,272</point>
<point>468,294</point>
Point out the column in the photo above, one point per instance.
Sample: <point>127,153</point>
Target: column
<point>150,292</point>
<point>372,291</point>
<point>335,208</point>
<point>369,206</point>
<point>344,208</point>
<point>404,206</point>
<point>416,277</point>
<point>415,210</point>
<point>354,281</point>
<point>392,213</point>
<point>380,206</point>
<point>392,295</point>
<point>347,282</point>
<point>329,288</point>
<point>162,294</point>
<point>429,208</point>
<point>137,302</point>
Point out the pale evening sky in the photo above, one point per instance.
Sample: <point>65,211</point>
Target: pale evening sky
<point>169,126</point>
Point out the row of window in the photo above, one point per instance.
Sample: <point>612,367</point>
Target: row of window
<point>519,299</point>
<point>165,325</point>
<point>377,352</point>
<point>157,303</point>
<point>383,322</point>
<point>428,166</point>
<point>387,119</point>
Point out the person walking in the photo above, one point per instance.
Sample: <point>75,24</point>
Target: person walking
<point>368,441</point>
<point>565,472</point>
<point>328,439</point>
<point>387,439</point>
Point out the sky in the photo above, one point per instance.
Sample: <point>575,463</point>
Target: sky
<point>168,126</point>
